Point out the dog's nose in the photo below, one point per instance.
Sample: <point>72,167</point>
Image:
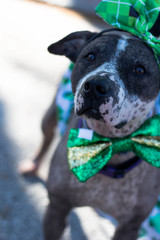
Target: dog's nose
<point>97,87</point>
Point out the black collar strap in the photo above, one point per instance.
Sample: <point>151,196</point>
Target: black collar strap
<point>103,32</point>
<point>120,170</point>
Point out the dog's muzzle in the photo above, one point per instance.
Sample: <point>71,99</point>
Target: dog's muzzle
<point>95,91</point>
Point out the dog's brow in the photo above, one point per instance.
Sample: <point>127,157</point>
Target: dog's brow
<point>103,33</point>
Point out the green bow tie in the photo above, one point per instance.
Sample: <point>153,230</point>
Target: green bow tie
<point>89,152</point>
<point>134,16</point>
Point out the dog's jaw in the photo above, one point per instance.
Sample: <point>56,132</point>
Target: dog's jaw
<point>124,118</point>
<point>107,130</point>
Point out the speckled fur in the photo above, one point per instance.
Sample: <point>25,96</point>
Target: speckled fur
<point>130,199</point>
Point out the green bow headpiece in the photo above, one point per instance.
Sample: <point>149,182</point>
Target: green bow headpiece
<point>134,16</point>
<point>89,152</point>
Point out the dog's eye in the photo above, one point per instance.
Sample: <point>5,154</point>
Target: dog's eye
<point>90,57</point>
<point>140,70</point>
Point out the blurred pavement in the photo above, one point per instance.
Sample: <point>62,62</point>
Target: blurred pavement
<point>85,6</point>
<point>28,80</point>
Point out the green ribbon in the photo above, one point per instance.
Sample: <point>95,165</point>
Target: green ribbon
<point>86,157</point>
<point>134,16</point>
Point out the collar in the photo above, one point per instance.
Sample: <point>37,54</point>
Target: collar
<point>120,170</point>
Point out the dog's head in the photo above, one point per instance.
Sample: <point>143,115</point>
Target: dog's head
<point>115,80</point>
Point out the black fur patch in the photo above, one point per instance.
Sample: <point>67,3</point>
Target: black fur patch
<point>145,86</point>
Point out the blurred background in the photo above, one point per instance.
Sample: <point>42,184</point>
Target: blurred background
<point>28,81</point>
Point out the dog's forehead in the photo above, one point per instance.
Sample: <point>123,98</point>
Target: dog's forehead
<point>107,43</point>
<point>106,48</point>
<point>109,46</point>
<point>112,39</point>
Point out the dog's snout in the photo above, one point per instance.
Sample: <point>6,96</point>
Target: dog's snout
<point>97,87</point>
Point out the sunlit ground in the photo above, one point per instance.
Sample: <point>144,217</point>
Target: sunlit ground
<point>28,80</point>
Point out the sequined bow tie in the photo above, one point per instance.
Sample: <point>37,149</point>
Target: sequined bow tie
<point>89,152</point>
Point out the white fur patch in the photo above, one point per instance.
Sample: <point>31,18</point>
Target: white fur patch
<point>79,101</point>
<point>112,78</point>
<point>121,46</point>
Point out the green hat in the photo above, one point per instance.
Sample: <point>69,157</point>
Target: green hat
<point>134,16</point>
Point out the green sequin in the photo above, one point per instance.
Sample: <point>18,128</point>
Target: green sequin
<point>87,157</point>
<point>136,17</point>
<point>155,222</point>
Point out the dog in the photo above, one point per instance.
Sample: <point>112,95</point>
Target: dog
<point>115,82</point>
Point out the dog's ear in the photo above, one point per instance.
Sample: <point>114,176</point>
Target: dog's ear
<point>155,30</point>
<point>71,45</point>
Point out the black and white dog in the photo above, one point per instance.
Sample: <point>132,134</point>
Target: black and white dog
<point>115,82</point>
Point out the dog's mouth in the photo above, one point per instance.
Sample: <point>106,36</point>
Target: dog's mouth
<point>90,113</point>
